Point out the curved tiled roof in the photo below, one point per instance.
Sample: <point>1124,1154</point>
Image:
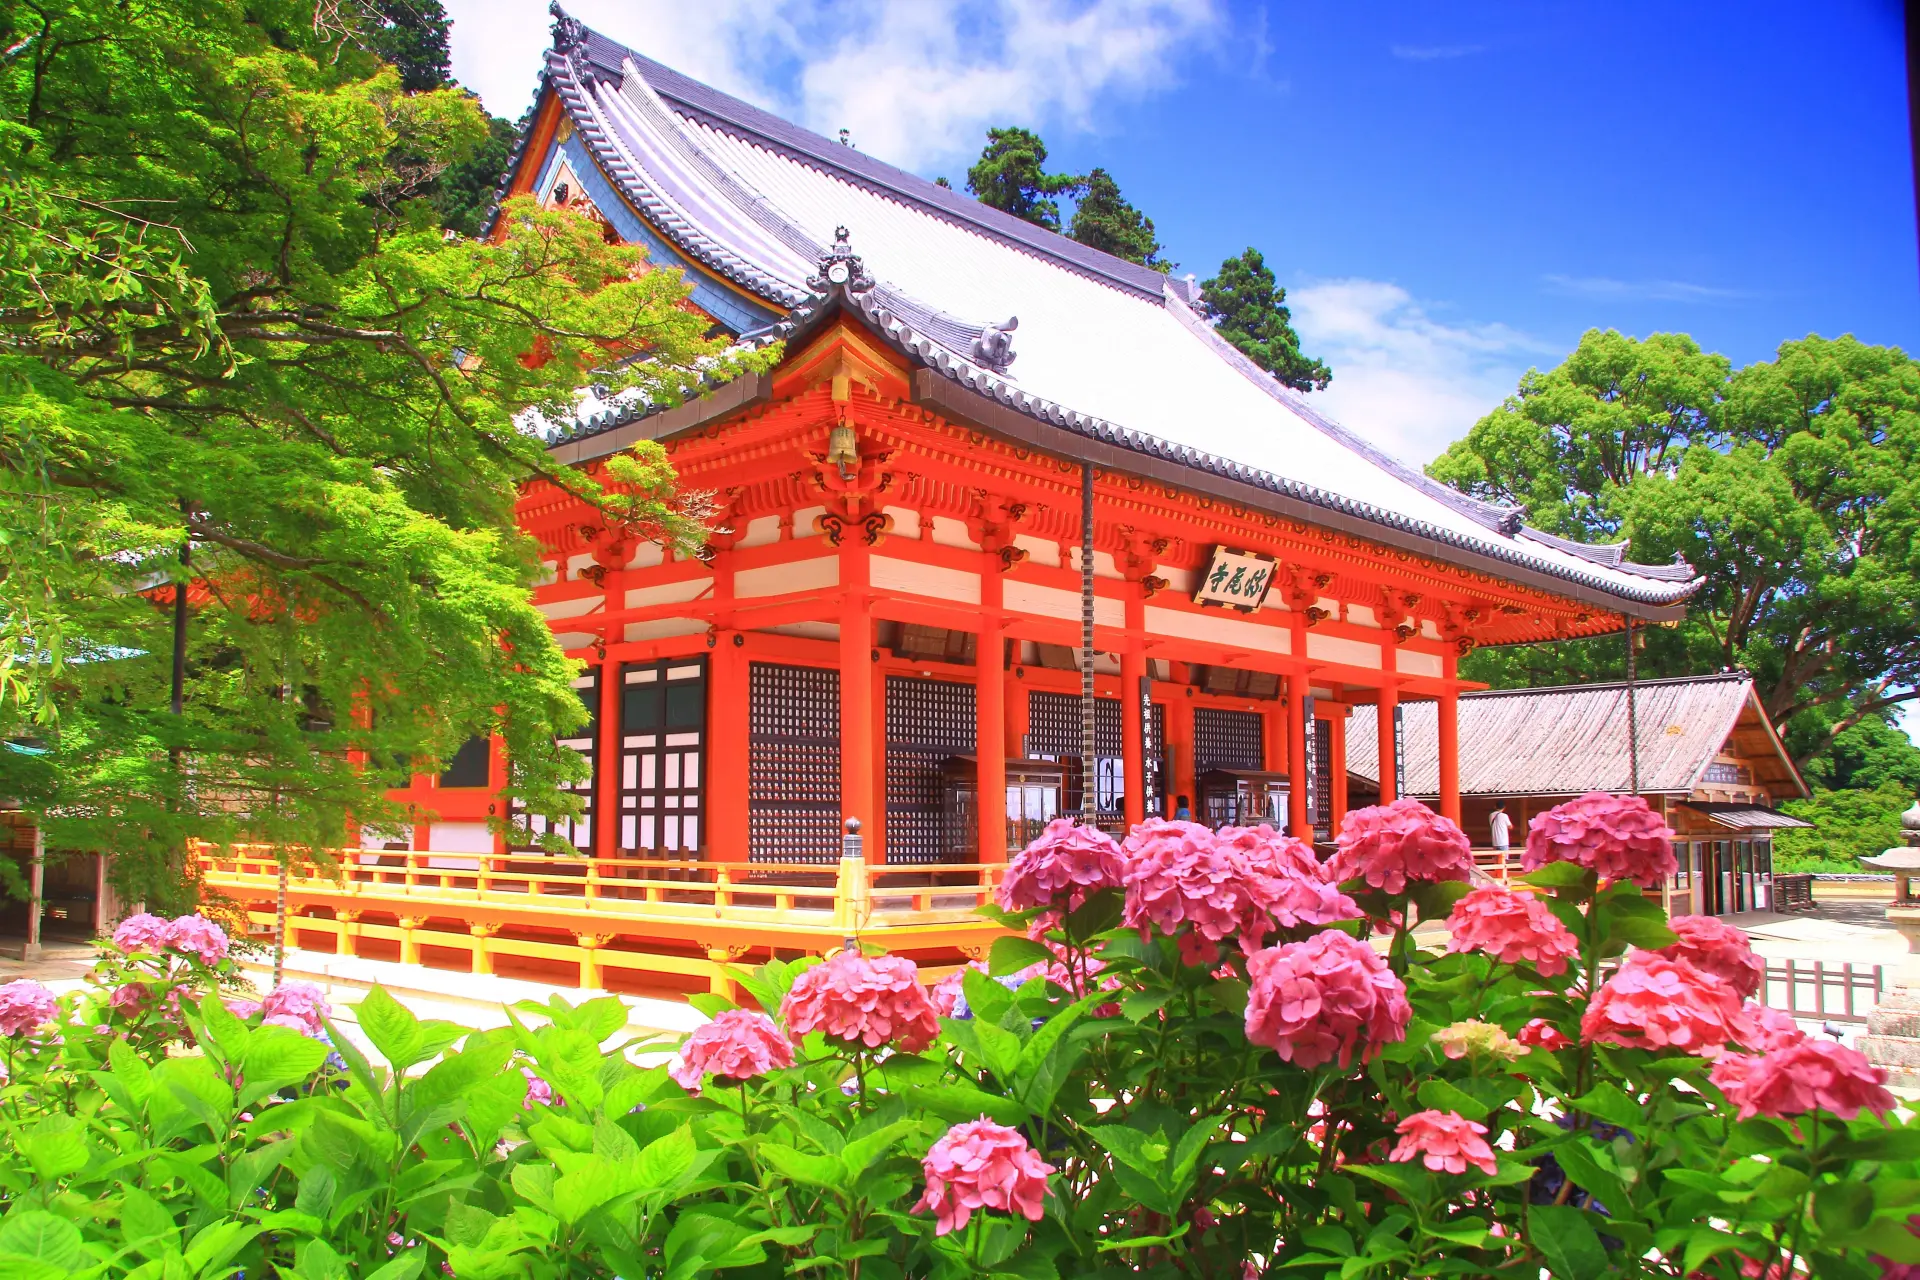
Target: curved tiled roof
<point>1106,350</point>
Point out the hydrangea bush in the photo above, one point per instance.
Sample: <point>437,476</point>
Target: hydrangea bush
<point>1195,1054</point>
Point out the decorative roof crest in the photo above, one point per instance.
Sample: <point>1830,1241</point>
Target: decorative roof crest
<point>569,32</point>
<point>994,346</point>
<point>840,268</point>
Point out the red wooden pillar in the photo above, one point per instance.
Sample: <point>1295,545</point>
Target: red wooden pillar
<point>1337,769</point>
<point>1134,709</point>
<point>606,761</point>
<point>1450,745</point>
<point>1298,779</point>
<point>1019,709</point>
<point>1180,742</point>
<point>727,728</point>
<point>857,700</point>
<point>1389,699</point>
<point>990,718</point>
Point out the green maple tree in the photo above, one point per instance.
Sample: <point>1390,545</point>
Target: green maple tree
<point>230,321</point>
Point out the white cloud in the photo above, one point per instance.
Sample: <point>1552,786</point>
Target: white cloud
<point>1641,290</point>
<point>916,81</point>
<point>1403,380</point>
<point>1434,52</point>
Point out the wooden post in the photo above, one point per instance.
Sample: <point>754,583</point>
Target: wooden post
<point>482,953</point>
<point>856,689</point>
<point>1337,769</point>
<point>606,763</point>
<point>1389,699</point>
<point>37,887</point>
<point>1133,720</point>
<point>347,932</point>
<point>1449,712</point>
<point>1298,779</point>
<point>1180,741</point>
<point>720,984</point>
<point>726,795</point>
<point>409,944</point>
<point>989,734</point>
<point>592,977</point>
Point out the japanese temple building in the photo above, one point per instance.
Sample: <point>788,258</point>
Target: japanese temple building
<point>895,583</point>
<point>887,623</point>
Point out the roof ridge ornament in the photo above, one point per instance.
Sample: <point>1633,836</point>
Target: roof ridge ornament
<point>569,33</point>
<point>1511,520</point>
<point>994,346</point>
<point>840,268</point>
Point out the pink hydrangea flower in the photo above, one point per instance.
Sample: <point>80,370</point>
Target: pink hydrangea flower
<point>1616,837</point>
<point>1511,927</point>
<point>1773,1028</point>
<point>1390,844</point>
<point>1448,1141</point>
<point>737,1045</point>
<point>1236,887</point>
<point>982,1165</point>
<point>1716,947</point>
<point>24,1005</point>
<point>1541,1034</point>
<point>129,998</point>
<point>539,1092</point>
<point>198,936</point>
<point>862,1000</point>
<point>298,1005</point>
<point>241,1009</point>
<point>1273,852</point>
<point>1067,861</point>
<point>142,932</point>
<point>1811,1074</point>
<point>1328,997</point>
<point>1655,1003</point>
<point>946,992</point>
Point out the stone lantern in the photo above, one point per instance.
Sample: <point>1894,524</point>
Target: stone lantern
<point>1903,860</point>
<point>1893,1028</point>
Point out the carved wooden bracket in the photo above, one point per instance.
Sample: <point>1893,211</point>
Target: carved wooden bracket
<point>1011,555</point>
<point>1151,586</point>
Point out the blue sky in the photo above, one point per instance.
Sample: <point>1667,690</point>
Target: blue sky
<point>1451,192</point>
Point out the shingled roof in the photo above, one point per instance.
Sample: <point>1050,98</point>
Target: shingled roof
<point>1571,739</point>
<point>1105,351</point>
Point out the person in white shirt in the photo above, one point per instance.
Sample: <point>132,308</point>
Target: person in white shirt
<point>1501,825</point>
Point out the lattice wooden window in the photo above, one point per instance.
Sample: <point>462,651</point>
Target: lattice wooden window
<point>1225,739</point>
<point>663,756</point>
<point>928,721</point>
<point>793,765</point>
<point>1054,733</point>
<point>586,741</point>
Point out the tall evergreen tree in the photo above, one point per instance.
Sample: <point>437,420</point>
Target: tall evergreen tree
<point>1103,220</point>
<point>1011,176</point>
<point>1248,309</point>
<point>412,35</point>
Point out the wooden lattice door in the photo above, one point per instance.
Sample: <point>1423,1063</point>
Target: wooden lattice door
<point>793,763</point>
<point>663,756</point>
<point>928,723</point>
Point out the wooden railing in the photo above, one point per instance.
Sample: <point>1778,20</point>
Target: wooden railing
<point>1815,989</point>
<point>686,919</point>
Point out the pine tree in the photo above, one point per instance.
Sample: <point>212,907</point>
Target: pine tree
<point>413,36</point>
<point>1104,220</point>
<point>1011,176</point>
<point>1247,308</point>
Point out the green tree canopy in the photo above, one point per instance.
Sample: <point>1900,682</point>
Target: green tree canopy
<point>1249,310</point>
<point>1791,485</point>
<point>1103,220</point>
<point>231,323</point>
<point>1011,176</point>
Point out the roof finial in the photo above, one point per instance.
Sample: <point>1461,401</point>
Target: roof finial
<point>846,138</point>
<point>1511,521</point>
<point>840,268</point>
<point>568,32</point>
<point>994,346</point>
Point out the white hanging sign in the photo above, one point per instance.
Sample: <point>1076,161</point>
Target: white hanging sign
<point>1239,579</point>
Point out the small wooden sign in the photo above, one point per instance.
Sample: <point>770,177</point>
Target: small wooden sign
<point>1238,579</point>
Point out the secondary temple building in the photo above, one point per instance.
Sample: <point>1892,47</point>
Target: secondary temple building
<point>887,623</point>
